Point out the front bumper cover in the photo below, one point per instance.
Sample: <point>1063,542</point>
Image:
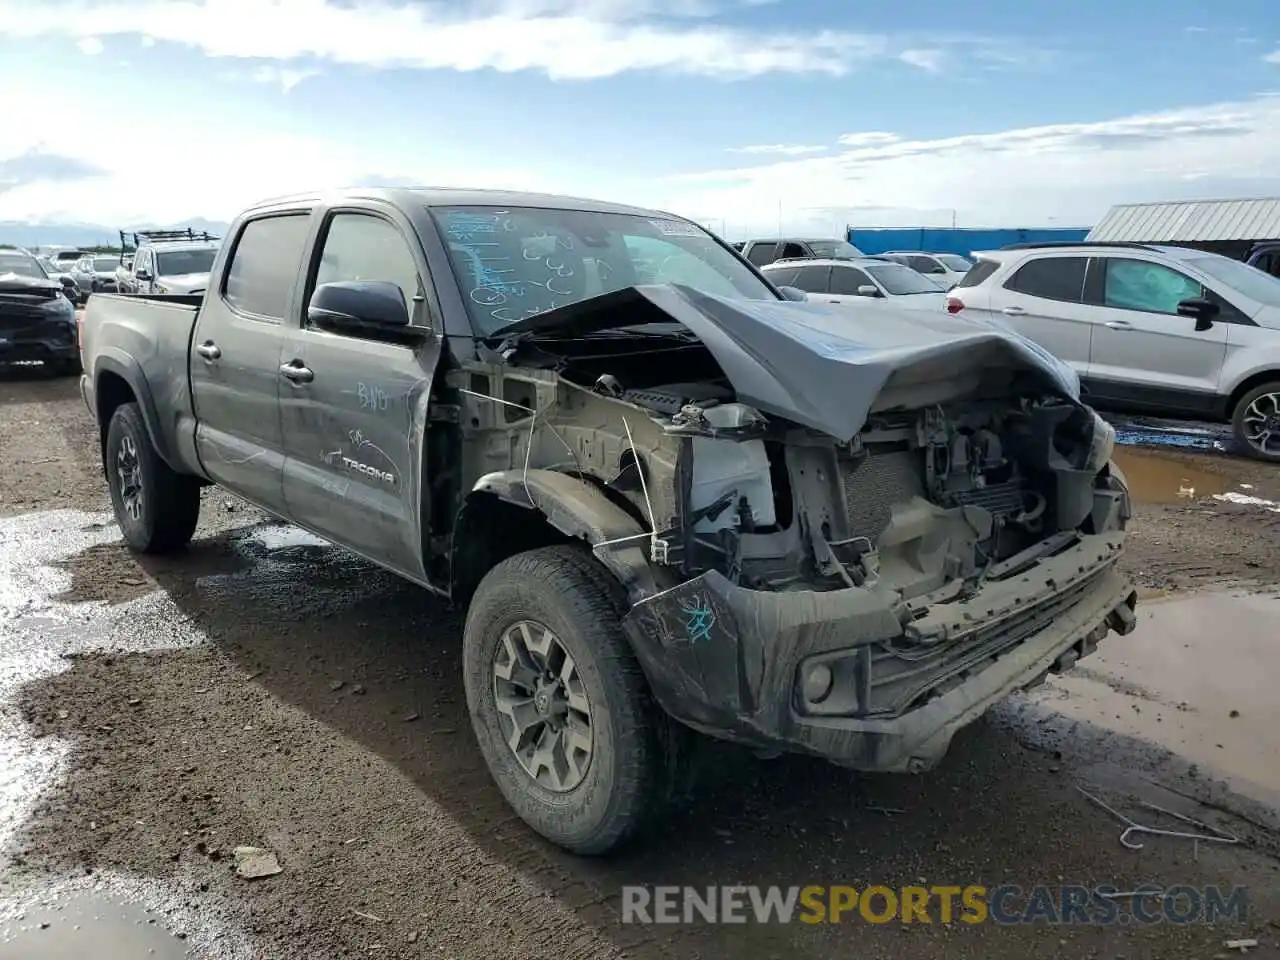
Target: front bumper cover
<point>52,339</point>
<point>727,660</point>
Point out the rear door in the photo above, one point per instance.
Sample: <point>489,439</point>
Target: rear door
<point>235,355</point>
<point>1143,351</point>
<point>1043,299</point>
<point>354,420</point>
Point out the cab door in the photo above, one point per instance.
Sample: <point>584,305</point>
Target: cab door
<point>354,405</point>
<point>235,355</point>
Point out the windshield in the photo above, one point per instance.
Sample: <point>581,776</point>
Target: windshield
<point>180,262</point>
<point>834,249</point>
<point>105,264</point>
<point>516,263</point>
<point>901,281</point>
<point>1252,282</point>
<point>22,265</point>
<point>953,262</point>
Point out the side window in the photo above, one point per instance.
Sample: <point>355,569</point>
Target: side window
<point>813,279</point>
<point>1150,287</point>
<point>847,280</point>
<point>265,264</point>
<point>358,246</point>
<point>1052,278</point>
<point>142,261</point>
<point>762,253</point>
<point>792,250</point>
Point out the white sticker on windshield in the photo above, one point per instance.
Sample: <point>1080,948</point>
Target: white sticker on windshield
<point>676,228</point>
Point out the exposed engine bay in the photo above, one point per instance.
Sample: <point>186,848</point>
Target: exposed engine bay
<point>915,500</point>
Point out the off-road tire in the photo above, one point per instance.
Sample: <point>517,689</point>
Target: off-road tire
<point>1237,422</point>
<point>566,589</point>
<point>170,501</point>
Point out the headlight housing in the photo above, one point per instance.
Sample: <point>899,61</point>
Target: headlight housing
<point>1102,444</point>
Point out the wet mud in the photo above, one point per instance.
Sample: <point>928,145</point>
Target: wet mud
<point>272,690</point>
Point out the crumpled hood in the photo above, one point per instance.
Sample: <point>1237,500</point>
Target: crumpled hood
<point>19,283</point>
<point>825,367</point>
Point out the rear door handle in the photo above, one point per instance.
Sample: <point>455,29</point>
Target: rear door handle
<point>209,350</point>
<point>1119,325</point>
<point>295,371</point>
<point>1013,311</point>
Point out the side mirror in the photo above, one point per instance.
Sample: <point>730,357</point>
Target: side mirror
<point>1201,310</point>
<point>867,290</point>
<point>144,275</point>
<point>794,294</point>
<point>359,306</point>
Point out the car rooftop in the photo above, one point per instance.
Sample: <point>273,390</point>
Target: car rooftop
<point>467,197</point>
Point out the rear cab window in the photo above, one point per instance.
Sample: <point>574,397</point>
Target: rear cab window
<point>762,253</point>
<point>265,264</point>
<point>1049,278</point>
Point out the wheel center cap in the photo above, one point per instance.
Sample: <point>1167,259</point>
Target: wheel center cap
<point>542,701</point>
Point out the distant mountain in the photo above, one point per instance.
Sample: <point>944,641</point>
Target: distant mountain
<point>87,234</point>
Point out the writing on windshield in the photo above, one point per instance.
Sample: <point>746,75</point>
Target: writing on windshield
<point>515,263</point>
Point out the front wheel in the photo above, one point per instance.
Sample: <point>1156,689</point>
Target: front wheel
<point>558,702</point>
<point>1256,422</point>
<point>156,508</point>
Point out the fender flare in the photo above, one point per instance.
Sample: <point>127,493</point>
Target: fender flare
<point>116,361</point>
<point>581,511</point>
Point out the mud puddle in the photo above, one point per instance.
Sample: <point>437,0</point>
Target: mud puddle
<point>1198,678</point>
<point>1156,478</point>
<point>88,924</point>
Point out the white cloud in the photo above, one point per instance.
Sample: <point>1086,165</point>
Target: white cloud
<point>930,60</point>
<point>90,46</point>
<point>780,149</point>
<point>285,78</point>
<point>566,39</point>
<point>1273,57</point>
<point>1065,174</point>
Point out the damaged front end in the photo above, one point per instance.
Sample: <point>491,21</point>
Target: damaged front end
<point>854,594</point>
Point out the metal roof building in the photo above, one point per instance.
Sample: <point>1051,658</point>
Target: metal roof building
<point>1191,222</point>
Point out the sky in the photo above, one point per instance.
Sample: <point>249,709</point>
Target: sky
<point>750,116</point>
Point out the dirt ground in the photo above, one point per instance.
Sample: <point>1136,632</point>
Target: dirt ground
<point>268,689</point>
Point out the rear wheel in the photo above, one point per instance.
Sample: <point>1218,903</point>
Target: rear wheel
<point>558,702</point>
<point>156,508</point>
<point>1256,422</point>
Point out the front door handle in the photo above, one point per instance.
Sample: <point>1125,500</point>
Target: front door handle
<point>295,371</point>
<point>1013,311</point>
<point>1119,325</point>
<point>209,350</point>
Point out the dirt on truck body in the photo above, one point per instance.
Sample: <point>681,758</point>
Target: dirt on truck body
<point>669,497</point>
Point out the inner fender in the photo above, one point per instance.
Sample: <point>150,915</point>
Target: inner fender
<point>581,511</point>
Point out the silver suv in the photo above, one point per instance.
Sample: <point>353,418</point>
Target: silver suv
<point>1152,329</point>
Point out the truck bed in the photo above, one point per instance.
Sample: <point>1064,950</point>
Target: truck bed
<point>144,339</point>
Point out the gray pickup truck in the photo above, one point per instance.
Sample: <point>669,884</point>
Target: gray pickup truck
<point>669,498</point>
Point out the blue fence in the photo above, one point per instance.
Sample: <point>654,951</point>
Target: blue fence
<point>961,241</point>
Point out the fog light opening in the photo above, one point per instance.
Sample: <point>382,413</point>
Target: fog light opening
<point>817,683</point>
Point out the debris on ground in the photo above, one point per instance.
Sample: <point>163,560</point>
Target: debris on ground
<point>253,863</point>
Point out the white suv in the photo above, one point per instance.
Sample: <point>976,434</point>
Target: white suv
<point>1155,329</point>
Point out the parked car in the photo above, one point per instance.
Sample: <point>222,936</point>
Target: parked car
<point>796,530</point>
<point>944,268</point>
<point>1155,329</point>
<point>761,252</point>
<point>856,281</point>
<point>95,273</point>
<point>1266,257</point>
<point>37,320</point>
<point>167,261</point>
